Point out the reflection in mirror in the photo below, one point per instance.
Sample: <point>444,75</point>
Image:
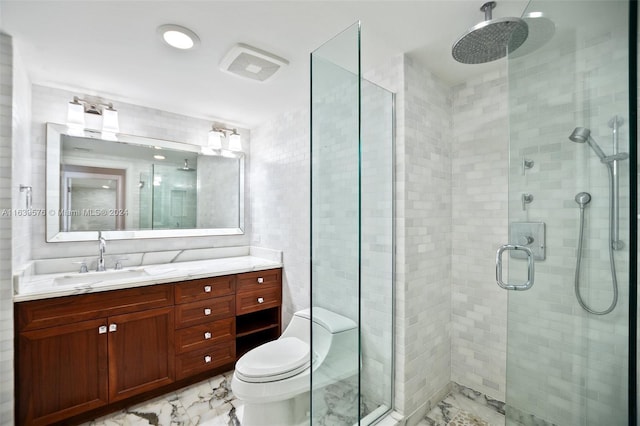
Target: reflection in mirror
<point>91,188</point>
<point>138,187</point>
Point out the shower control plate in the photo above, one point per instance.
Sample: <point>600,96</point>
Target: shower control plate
<point>528,234</point>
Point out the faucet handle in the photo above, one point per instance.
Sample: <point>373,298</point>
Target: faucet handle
<point>118,264</point>
<point>83,266</point>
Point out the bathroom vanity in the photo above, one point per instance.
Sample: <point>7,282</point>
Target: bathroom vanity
<point>81,356</point>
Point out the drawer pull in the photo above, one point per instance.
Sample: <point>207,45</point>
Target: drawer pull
<point>207,311</point>
<point>207,359</point>
<point>207,335</point>
<point>260,299</point>
<point>207,289</point>
<point>260,280</point>
<point>102,329</point>
<point>113,327</point>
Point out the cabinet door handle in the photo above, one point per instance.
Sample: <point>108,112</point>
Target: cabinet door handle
<point>207,359</point>
<point>102,329</point>
<point>207,311</point>
<point>260,280</point>
<point>113,327</point>
<point>207,289</point>
<point>207,335</point>
<point>260,299</point>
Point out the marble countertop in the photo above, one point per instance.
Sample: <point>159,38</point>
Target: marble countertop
<point>41,286</point>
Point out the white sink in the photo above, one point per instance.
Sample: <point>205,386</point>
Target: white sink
<point>88,278</point>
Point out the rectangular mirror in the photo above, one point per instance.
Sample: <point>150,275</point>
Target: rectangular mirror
<point>131,187</point>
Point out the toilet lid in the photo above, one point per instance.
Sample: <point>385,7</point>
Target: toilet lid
<point>276,360</point>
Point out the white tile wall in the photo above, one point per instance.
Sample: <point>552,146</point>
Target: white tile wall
<point>427,235</point>
<point>571,366</point>
<point>49,105</point>
<point>479,191</point>
<point>280,200</point>
<point>21,161</point>
<point>423,233</point>
<point>6,289</point>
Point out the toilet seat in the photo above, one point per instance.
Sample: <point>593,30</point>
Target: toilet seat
<point>273,361</point>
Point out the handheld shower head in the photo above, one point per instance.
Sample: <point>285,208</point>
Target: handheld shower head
<point>583,198</point>
<point>582,135</point>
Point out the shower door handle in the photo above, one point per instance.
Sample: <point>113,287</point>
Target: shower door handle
<point>530,268</point>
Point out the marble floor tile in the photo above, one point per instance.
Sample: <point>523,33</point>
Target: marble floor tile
<point>208,403</point>
<point>465,407</point>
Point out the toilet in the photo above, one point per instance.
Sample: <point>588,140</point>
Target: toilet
<point>273,380</point>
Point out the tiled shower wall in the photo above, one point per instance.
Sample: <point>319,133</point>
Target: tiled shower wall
<point>422,233</point>
<point>571,366</point>
<point>479,185</point>
<point>49,105</point>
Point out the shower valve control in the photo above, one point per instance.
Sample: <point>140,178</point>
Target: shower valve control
<point>525,240</point>
<point>526,199</point>
<point>528,234</point>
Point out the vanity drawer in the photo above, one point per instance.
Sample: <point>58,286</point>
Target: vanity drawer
<point>203,336</point>
<point>68,309</point>
<point>206,288</point>
<point>205,311</point>
<point>258,300</point>
<point>258,280</point>
<point>202,360</point>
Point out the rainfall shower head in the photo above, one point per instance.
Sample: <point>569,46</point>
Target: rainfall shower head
<point>186,167</point>
<point>582,135</point>
<point>541,30</point>
<point>491,39</point>
<point>583,198</point>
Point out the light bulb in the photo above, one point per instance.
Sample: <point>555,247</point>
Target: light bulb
<point>215,139</point>
<point>235,143</point>
<point>110,121</point>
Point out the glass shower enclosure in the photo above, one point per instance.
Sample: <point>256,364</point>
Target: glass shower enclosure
<point>569,203</point>
<point>351,237</point>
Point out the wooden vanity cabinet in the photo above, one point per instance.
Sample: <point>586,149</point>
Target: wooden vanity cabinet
<point>62,371</point>
<point>81,355</point>
<point>141,352</point>
<point>67,367</point>
<point>205,324</point>
<point>258,309</point>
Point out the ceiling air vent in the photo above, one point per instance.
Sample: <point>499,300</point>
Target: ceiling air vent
<point>249,62</point>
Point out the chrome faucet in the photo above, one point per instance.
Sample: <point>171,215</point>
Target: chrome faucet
<point>102,247</point>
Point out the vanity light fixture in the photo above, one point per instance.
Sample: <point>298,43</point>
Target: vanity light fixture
<point>178,37</point>
<point>235,143</point>
<point>217,133</point>
<point>78,107</point>
<point>215,138</point>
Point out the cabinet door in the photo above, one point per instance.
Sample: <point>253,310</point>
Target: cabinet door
<point>141,352</point>
<point>62,371</point>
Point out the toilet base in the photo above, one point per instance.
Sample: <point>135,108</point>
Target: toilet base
<point>290,412</point>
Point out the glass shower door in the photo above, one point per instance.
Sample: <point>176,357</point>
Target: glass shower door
<point>567,335</point>
<point>351,237</point>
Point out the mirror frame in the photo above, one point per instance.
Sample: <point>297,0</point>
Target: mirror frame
<point>52,177</point>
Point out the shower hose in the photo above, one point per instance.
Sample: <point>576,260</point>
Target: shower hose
<point>614,279</point>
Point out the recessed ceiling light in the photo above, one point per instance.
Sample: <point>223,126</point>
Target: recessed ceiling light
<point>159,157</point>
<point>106,186</point>
<point>179,37</point>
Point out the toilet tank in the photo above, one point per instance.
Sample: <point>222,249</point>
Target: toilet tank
<point>330,329</point>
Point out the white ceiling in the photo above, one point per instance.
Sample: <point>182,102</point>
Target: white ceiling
<point>111,49</point>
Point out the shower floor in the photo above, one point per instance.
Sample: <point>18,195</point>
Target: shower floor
<point>465,407</point>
